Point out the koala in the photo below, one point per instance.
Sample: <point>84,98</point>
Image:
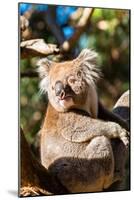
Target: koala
<point>75,144</point>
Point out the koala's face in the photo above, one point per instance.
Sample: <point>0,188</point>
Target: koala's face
<point>67,83</point>
<point>67,87</point>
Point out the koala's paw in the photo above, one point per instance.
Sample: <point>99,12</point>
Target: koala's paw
<point>119,132</point>
<point>124,136</point>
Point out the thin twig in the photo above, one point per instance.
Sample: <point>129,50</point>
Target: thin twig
<point>29,74</point>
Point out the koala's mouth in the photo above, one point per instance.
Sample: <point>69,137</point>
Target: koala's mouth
<point>65,95</point>
<point>66,102</point>
<point>65,98</point>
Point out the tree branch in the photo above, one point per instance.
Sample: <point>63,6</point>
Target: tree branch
<point>81,27</point>
<point>122,107</point>
<point>50,19</point>
<point>29,74</point>
<point>34,178</point>
<point>37,47</point>
<point>75,16</point>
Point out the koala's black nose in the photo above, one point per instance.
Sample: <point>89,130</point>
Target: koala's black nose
<point>59,89</point>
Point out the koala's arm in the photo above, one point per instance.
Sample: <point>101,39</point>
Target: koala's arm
<point>81,129</point>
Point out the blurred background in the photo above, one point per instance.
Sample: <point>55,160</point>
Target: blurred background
<point>107,31</point>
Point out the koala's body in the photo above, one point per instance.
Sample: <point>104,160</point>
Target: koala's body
<point>75,145</point>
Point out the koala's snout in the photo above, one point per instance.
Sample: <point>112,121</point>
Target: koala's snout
<point>61,90</point>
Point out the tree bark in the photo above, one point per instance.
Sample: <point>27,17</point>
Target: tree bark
<point>122,109</point>
<point>34,178</point>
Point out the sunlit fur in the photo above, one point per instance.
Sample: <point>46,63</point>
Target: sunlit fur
<point>76,148</point>
<point>83,70</point>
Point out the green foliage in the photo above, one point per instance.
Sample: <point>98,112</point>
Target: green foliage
<point>109,36</point>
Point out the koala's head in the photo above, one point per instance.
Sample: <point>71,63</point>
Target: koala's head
<point>69,83</point>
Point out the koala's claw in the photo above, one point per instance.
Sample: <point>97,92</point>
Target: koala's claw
<point>125,137</point>
<point>122,134</point>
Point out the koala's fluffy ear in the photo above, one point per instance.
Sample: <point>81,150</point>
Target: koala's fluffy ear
<point>88,62</point>
<point>88,55</point>
<point>44,66</point>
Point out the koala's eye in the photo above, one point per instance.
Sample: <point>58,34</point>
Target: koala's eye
<point>71,80</point>
<point>79,74</point>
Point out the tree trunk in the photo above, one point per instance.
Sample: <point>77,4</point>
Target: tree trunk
<point>34,178</point>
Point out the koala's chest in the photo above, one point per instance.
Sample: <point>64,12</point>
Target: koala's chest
<point>53,148</point>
